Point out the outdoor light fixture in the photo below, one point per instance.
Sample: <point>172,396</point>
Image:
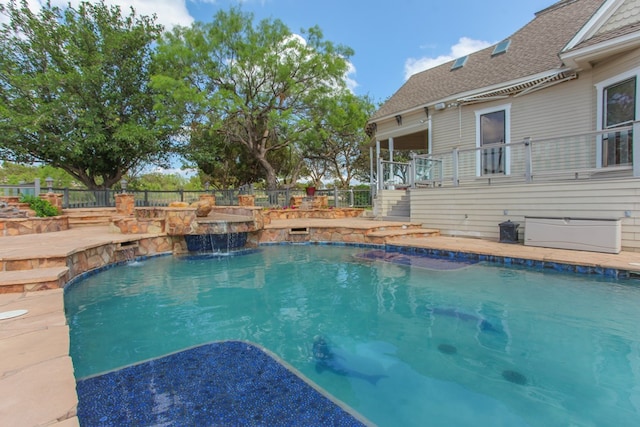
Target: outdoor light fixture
<point>49,182</point>
<point>206,186</point>
<point>123,185</point>
<point>399,119</point>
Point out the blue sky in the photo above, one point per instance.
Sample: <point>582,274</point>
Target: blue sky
<point>391,39</point>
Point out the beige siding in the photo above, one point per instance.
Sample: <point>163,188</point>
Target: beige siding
<point>614,66</point>
<point>412,122</point>
<point>564,109</point>
<point>476,211</point>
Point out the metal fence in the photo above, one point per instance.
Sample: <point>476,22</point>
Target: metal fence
<point>31,188</point>
<point>78,198</point>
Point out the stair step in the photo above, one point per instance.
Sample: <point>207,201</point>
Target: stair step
<point>88,222</point>
<point>89,213</point>
<point>89,217</point>
<point>33,280</point>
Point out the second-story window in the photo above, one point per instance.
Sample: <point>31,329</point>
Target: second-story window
<point>492,136</point>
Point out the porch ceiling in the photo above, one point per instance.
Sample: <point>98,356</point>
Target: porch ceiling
<point>413,141</point>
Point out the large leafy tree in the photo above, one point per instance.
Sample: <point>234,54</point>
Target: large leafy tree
<point>74,90</point>
<point>338,144</point>
<point>251,86</point>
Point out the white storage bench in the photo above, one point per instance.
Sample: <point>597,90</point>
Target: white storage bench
<point>585,234</point>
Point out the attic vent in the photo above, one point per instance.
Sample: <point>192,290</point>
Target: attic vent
<point>459,62</point>
<point>501,47</point>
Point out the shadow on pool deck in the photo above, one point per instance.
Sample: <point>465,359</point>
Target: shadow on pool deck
<point>37,386</point>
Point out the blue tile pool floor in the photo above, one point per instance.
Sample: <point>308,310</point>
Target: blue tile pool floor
<point>227,383</point>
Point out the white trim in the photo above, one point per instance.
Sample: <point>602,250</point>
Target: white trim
<point>600,86</point>
<point>592,26</point>
<point>635,72</point>
<point>507,136</point>
<point>580,57</point>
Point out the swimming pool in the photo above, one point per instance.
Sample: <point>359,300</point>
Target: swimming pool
<point>439,344</point>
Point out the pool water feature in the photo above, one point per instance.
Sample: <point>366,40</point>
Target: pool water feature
<point>479,345</point>
<point>212,243</point>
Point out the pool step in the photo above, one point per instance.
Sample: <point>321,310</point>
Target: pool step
<point>379,236</point>
<point>33,280</point>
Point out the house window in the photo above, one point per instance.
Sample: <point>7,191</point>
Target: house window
<point>492,130</point>
<point>619,109</point>
<point>617,106</point>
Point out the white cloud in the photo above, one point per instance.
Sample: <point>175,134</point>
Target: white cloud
<point>169,12</point>
<point>349,77</point>
<point>464,47</point>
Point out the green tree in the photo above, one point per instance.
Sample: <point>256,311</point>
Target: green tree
<point>225,165</point>
<point>74,90</point>
<point>337,146</point>
<point>13,173</point>
<point>253,86</point>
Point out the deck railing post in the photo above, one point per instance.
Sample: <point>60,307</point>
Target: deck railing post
<point>413,171</point>
<point>636,149</point>
<point>454,159</point>
<point>528,165</point>
<point>380,174</point>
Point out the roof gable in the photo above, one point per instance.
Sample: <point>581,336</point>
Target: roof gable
<point>533,50</point>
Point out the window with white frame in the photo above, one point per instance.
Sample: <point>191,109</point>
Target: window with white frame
<point>617,107</point>
<point>492,132</point>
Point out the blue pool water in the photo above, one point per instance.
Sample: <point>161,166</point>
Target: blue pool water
<point>430,343</point>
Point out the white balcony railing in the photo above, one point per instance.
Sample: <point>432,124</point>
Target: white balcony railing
<point>395,174</point>
<point>584,156</point>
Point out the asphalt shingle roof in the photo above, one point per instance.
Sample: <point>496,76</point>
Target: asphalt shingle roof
<point>534,49</point>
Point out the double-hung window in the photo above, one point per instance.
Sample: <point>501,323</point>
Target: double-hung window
<point>620,109</point>
<point>617,107</point>
<point>492,132</point>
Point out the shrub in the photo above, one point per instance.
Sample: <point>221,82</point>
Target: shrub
<point>41,207</point>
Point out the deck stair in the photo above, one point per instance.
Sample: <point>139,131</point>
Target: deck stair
<point>33,280</point>
<point>88,217</point>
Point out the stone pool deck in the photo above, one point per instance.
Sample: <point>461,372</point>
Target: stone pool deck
<point>37,385</point>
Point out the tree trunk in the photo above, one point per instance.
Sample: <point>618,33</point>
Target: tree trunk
<point>269,172</point>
